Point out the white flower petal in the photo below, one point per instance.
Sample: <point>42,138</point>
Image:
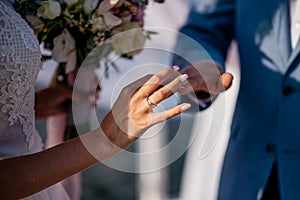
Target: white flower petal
<point>71,62</point>
<point>64,46</point>
<point>89,6</point>
<point>111,20</point>
<point>106,5</point>
<point>70,2</point>
<point>49,9</point>
<point>70,42</point>
<point>129,42</point>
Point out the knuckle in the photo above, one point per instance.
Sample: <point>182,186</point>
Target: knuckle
<point>169,69</point>
<point>155,78</point>
<point>161,94</point>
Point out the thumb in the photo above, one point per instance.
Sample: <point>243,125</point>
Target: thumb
<point>222,83</point>
<point>226,80</point>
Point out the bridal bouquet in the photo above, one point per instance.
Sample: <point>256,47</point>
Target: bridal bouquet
<point>71,29</point>
<point>76,29</point>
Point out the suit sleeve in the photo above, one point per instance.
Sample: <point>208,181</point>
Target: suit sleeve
<point>207,33</point>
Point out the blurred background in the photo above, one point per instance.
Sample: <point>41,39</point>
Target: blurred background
<point>184,167</point>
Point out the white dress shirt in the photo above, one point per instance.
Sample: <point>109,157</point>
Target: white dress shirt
<point>295,21</point>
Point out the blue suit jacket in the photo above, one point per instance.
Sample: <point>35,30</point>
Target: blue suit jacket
<point>266,123</point>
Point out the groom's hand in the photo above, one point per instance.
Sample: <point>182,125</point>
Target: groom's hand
<point>205,79</point>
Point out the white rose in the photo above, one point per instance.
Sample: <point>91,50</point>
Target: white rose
<point>131,41</point>
<point>65,50</point>
<point>70,2</point>
<point>89,6</point>
<point>49,9</point>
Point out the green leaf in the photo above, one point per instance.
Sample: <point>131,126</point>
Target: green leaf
<point>93,58</point>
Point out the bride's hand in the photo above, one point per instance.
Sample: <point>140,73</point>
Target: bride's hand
<point>54,99</point>
<point>133,113</point>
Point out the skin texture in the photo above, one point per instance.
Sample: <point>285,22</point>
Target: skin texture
<point>116,132</point>
<point>206,77</point>
<point>55,99</point>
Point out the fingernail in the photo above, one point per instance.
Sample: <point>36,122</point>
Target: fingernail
<point>185,106</point>
<point>175,67</point>
<point>183,77</point>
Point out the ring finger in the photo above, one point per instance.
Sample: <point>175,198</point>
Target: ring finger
<point>167,90</point>
<point>158,79</point>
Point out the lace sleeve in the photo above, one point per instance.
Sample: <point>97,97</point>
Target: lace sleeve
<point>20,61</point>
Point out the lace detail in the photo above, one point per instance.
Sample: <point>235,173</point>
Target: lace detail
<point>20,61</point>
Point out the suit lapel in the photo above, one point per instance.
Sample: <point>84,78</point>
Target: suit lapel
<point>276,45</point>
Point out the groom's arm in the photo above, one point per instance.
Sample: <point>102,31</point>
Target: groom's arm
<point>205,38</point>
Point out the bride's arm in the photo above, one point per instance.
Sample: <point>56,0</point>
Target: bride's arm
<point>129,118</point>
<point>26,175</point>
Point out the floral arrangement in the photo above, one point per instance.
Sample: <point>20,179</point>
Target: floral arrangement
<point>71,29</point>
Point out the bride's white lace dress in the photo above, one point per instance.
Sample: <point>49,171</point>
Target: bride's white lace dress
<point>19,66</point>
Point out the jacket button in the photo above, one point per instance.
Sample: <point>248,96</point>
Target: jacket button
<point>287,90</point>
<point>270,149</point>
